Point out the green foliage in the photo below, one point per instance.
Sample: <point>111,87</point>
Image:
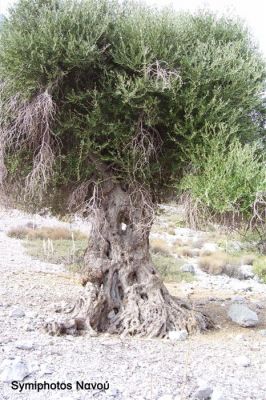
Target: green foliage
<point>132,87</point>
<point>260,268</point>
<point>225,175</point>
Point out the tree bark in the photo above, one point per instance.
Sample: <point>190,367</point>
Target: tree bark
<point>123,293</point>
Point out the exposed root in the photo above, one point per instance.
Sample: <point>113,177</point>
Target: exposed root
<point>138,316</point>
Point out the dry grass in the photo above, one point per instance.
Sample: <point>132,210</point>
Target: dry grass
<point>175,220</point>
<point>70,253</point>
<point>159,246</point>
<point>220,263</point>
<point>179,243</point>
<point>198,244</point>
<point>185,251</point>
<point>171,231</point>
<point>248,259</point>
<point>30,232</point>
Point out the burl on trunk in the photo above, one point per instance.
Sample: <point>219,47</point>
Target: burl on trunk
<point>123,293</point>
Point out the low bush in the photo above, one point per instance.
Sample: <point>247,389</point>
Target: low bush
<point>159,246</point>
<point>186,251</point>
<point>224,179</point>
<point>220,263</point>
<point>259,267</point>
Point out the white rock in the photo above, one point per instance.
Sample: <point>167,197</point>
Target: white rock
<point>242,315</point>
<point>17,313</point>
<point>217,395</point>
<point>13,370</point>
<point>246,272</point>
<point>263,367</point>
<point>210,248</point>
<point>243,361</point>
<point>166,397</point>
<point>46,371</point>
<point>262,332</point>
<point>113,393</point>
<point>195,252</point>
<point>239,337</point>
<point>178,335</point>
<point>24,345</point>
<point>204,391</point>
<point>188,268</point>
<point>238,299</point>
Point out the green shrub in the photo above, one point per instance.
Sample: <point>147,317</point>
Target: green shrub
<point>225,175</point>
<point>259,267</point>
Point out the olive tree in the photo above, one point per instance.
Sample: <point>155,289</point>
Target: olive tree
<point>100,103</point>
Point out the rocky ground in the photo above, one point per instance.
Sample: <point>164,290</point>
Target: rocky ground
<point>228,363</point>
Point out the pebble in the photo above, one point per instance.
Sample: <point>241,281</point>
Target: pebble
<point>13,370</point>
<point>217,395</point>
<point>188,268</point>
<point>243,361</point>
<point>238,299</point>
<point>210,248</point>
<point>17,313</point>
<point>46,371</point>
<point>246,272</point>
<point>24,345</point>
<point>204,391</point>
<point>178,335</point>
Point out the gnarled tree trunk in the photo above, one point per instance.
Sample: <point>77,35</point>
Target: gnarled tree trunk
<point>123,293</point>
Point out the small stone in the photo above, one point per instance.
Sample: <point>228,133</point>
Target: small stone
<point>46,371</point>
<point>240,337</point>
<point>204,391</point>
<point>29,328</point>
<point>246,272</point>
<point>238,299</point>
<point>13,370</point>
<point>243,361</point>
<point>188,268</point>
<point>113,393</point>
<point>17,313</point>
<point>242,315</point>
<point>262,332</point>
<point>217,395</point>
<point>178,335</point>
<point>24,345</point>
<point>210,248</point>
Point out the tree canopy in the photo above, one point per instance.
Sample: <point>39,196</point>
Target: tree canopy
<point>95,86</point>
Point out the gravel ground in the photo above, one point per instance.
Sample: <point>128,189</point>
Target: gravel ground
<point>134,368</point>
